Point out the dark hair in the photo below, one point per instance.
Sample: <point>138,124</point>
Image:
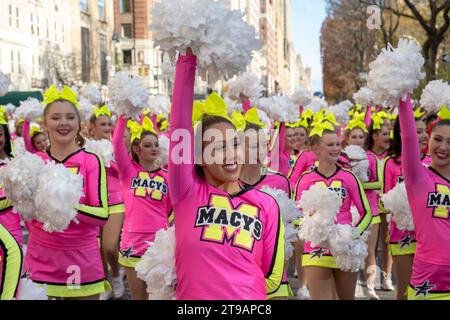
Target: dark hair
<point>80,141</point>
<point>136,143</point>
<point>252,126</point>
<point>8,145</point>
<point>395,149</point>
<point>430,118</point>
<point>369,141</point>
<point>441,123</point>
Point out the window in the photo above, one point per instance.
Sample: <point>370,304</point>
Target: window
<point>17,17</point>
<point>48,30</point>
<point>19,67</point>
<point>126,30</point>
<point>62,33</point>
<point>101,9</point>
<point>85,58</point>
<point>12,62</point>
<point>103,59</point>
<point>37,24</point>
<point>84,5</point>
<point>10,15</point>
<point>125,6</point>
<point>56,32</point>
<point>127,57</point>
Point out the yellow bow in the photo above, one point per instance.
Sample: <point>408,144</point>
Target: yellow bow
<point>214,106</point>
<point>34,130</point>
<point>302,122</point>
<point>307,114</point>
<point>52,94</point>
<point>377,121</point>
<point>444,114</point>
<point>238,120</point>
<point>136,129</point>
<point>321,117</point>
<point>160,117</point>
<point>320,127</point>
<point>355,110</point>
<point>251,116</point>
<point>356,122</point>
<point>164,125</point>
<point>418,114</point>
<point>3,116</point>
<point>101,111</point>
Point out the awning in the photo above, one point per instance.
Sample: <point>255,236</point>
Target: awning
<point>15,97</point>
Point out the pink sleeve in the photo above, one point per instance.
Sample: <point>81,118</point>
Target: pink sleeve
<point>27,138</point>
<point>246,106</point>
<point>359,199</point>
<point>412,165</point>
<point>182,174</point>
<point>368,115</point>
<point>121,155</point>
<point>387,184</point>
<point>299,168</point>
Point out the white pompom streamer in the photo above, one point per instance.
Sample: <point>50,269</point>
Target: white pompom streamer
<point>435,95</point>
<point>159,104</point>
<point>248,84</point>
<point>397,71</point>
<point>221,39</point>
<point>10,109</point>
<point>280,108</point>
<point>32,291</point>
<point>316,105</point>
<point>340,111</point>
<point>19,146</point>
<point>157,266</point>
<point>86,109</point>
<point>364,97</point>
<point>301,96</point>
<point>92,93</point>
<point>289,212</point>
<point>30,109</point>
<point>4,84</point>
<point>128,94</point>
<point>396,201</point>
<point>232,106</point>
<point>358,161</point>
<point>20,179</point>
<point>103,148</point>
<point>320,206</point>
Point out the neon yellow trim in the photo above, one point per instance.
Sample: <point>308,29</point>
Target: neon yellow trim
<point>273,280</point>
<point>324,261</point>
<point>376,220</point>
<point>430,296</point>
<point>117,208</point>
<point>274,138</point>
<point>13,267</point>
<point>372,185</point>
<point>5,204</point>
<point>171,218</point>
<point>284,291</point>
<point>130,262</point>
<point>396,250</point>
<point>83,290</point>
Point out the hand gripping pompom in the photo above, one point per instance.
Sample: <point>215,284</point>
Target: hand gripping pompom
<point>358,161</point>
<point>396,200</point>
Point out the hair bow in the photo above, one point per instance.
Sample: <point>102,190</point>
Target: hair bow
<point>164,125</point>
<point>355,110</point>
<point>302,122</point>
<point>418,113</point>
<point>357,122</point>
<point>136,130</point>
<point>307,114</point>
<point>101,111</point>
<point>321,117</point>
<point>444,113</point>
<point>252,116</point>
<point>3,116</point>
<point>214,106</point>
<point>238,120</point>
<point>320,127</point>
<point>377,120</point>
<point>34,130</point>
<point>52,95</point>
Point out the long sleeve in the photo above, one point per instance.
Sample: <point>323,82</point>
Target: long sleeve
<point>273,255</point>
<point>376,174</point>
<point>182,173</point>
<point>95,209</point>
<point>5,204</point>
<point>27,138</point>
<point>11,265</point>
<point>120,149</point>
<point>359,199</point>
<point>412,165</point>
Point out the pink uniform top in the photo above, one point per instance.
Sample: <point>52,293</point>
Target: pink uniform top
<point>115,194</point>
<point>93,208</point>
<point>145,193</point>
<point>348,188</point>
<point>373,186</point>
<point>227,246</point>
<point>282,161</point>
<point>380,156</point>
<point>9,219</point>
<point>428,195</point>
<point>305,162</point>
<point>274,180</point>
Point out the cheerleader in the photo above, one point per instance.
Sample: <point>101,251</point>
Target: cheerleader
<point>428,194</point>
<point>282,155</point>
<point>70,262</point>
<point>402,244</point>
<point>302,137</point>
<point>229,238</point>
<point>10,260</point>
<point>322,273</point>
<point>145,194</point>
<point>377,143</point>
<point>255,175</point>
<point>101,127</point>
<point>34,138</point>
<point>355,134</point>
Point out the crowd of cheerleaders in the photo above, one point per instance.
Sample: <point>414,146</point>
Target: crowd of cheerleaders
<point>125,204</point>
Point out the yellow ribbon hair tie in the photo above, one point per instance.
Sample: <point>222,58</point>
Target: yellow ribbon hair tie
<point>238,120</point>
<point>320,127</point>
<point>252,116</point>
<point>101,111</point>
<point>164,125</point>
<point>444,113</point>
<point>147,125</point>
<point>355,110</point>
<point>307,114</point>
<point>136,130</point>
<point>356,123</point>
<point>52,95</point>
<point>377,121</point>
<point>418,113</point>
<point>3,116</point>
<point>34,130</point>
<point>320,117</point>
<point>214,106</point>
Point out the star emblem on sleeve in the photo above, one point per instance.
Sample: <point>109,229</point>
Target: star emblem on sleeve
<point>406,241</point>
<point>318,253</point>
<point>424,288</point>
<point>127,253</point>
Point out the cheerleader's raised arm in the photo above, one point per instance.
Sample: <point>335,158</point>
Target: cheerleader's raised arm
<point>27,138</point>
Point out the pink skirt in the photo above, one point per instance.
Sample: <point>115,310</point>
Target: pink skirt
<point>133,245</point>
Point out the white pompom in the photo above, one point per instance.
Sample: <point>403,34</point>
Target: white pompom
<point>264,118</point>
<point>435,95</point>
<point>65,189</point>
<point>103,148</point>
<point>349,250</point>
<point>397,71</point>
<point>32,291</point>
<point>364,97</point>
<point>232,106</point>
<point>396,201</point>
<point>128,94</point>
<point>280,108</point>
<point>20,179</point>
<point>157,266</point>
<point>248,84</point>
<point>163,158</point>
<point>320,206</point>
<point>358,161</point>
<point>340,111</point>
<point>92,93</point>
<point>301,96</point>
<point>221,39</point>
<point>4,84</point>
<point>10,109</point>
<point>19,146</point>
<point>289,212</point>
<point>29,109</point>
<point>316,105</point>
<point>159,104</point>
<point>85,109</point>
<point>355,215</point>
